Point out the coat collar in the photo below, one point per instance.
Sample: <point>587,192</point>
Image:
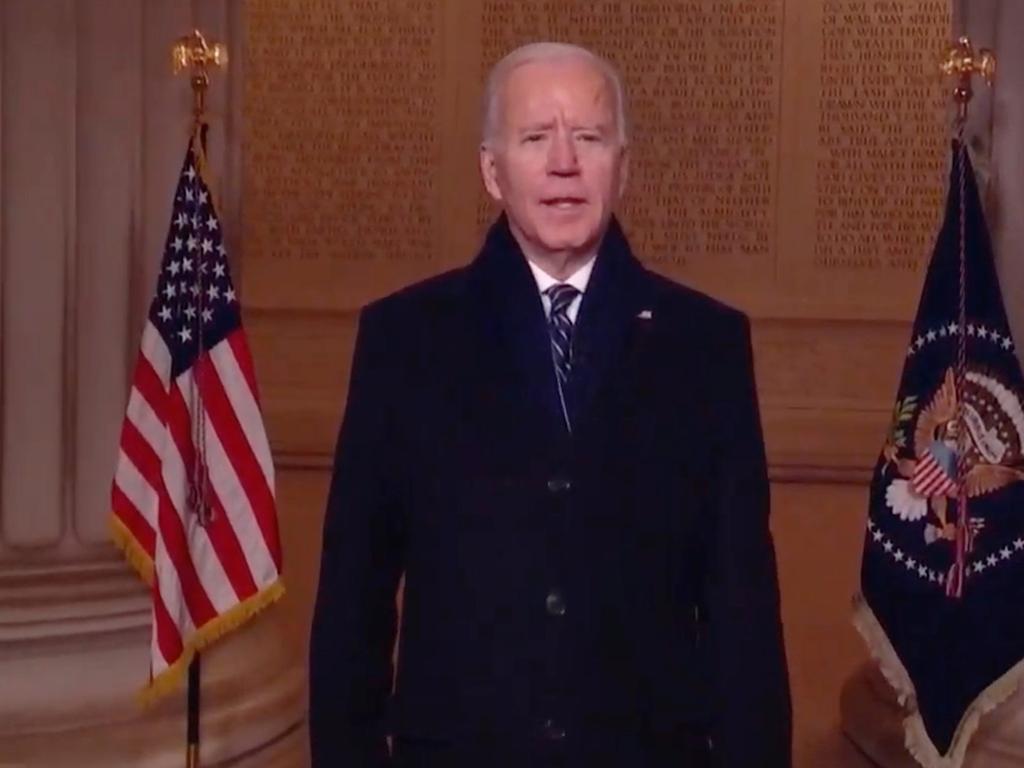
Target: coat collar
<point>510,314</point>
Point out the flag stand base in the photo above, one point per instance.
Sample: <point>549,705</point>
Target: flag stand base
<point>873,720</point>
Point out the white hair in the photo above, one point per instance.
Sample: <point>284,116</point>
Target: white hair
<point>547,51</point>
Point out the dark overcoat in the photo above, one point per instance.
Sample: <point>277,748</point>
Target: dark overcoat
<point>600,597</point>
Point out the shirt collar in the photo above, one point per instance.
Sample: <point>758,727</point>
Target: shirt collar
<point>577,279</point>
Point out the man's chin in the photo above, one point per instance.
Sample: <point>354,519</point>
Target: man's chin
<point>568,242</point>
<point>578,239</point>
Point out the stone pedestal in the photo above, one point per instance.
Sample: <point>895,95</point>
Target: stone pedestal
<point>874,721</point>
<point>74,643</point>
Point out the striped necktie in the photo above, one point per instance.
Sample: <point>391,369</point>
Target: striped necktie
<point>560,327</point>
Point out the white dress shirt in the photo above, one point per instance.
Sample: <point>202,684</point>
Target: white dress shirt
<point>577,280</point>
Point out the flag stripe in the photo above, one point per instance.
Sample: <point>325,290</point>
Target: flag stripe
<point>165,632</point>
<point>930,477</point>
<point>169,587</point>
<point>143,458</point>
<point>155,350</point>
<point>133,520</point>
<point>240,347</point>
<point>168,523</point>
<point>149,385</point>
<point>149,425</point>
<point>145,413</point>
<point>172,534</point>
<point>221,535</point>
<point>227,545</point>
<point>238,509</point>
<point>240,454</point>
<point>210,570</point>
<point>138,491</point>
<point>244,405</point>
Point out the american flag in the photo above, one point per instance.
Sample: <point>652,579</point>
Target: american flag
<point>193,491</point>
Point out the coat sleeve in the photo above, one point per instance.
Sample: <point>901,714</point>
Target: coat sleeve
<point>354,621</point>
<point>751,711</point>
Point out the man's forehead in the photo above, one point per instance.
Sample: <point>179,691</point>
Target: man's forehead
<point>574,80</point>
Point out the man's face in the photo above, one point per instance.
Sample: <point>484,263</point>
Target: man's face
<point>556,163</point>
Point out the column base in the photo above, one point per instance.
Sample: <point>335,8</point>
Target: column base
<point>74,655</point>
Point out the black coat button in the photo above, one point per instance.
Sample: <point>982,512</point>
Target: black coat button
<point>559,484</point>
<point>555,603</point>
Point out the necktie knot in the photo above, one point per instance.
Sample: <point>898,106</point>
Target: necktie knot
<point>562,296</point>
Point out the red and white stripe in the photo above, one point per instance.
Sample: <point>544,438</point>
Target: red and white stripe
<point>200,572</point>
<point>930,478</point>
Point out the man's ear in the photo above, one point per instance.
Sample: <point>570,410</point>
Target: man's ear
<point>489,172</point>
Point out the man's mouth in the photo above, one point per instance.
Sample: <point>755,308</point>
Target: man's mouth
<point>563,202</point>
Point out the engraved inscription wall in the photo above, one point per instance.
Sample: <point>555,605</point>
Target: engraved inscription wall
<point>774,143</point>
<point>703,81</point>
<point>881,132</point>
<point>342,103</point>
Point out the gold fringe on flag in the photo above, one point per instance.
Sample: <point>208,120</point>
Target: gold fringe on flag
<point>213,630</point>
<point>136,555</point>
<point>205,635</point>
<point>916,738</point>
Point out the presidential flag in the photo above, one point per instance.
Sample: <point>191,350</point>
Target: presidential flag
<point>942,579</point>
<point>193,491</point>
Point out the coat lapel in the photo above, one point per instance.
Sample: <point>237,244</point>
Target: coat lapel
<point>513,340</point>
<point>512,335</point>
<point>608,321</point>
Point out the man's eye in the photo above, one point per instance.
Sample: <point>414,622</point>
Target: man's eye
<point>533,137</point>
<point>589,137</point>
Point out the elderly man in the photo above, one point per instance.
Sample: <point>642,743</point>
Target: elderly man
<point>561,453</point>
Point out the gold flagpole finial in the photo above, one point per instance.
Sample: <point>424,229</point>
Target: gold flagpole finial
<point>962,62</point>
<point>192,52</point>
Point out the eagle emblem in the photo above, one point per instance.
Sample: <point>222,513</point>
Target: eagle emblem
<point>994,424</point>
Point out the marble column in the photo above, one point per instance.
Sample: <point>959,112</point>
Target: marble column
<point>995,134</point>
<point>93,128</point>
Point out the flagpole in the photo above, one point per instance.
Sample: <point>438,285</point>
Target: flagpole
<point>192,720</point>
<point>193,53</point>
<point>963,62</point>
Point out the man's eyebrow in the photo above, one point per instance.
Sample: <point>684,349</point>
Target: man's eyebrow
<point>549,124</point>
<point>544,126</point>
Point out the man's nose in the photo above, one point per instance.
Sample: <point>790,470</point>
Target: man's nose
<point>562,159</point>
